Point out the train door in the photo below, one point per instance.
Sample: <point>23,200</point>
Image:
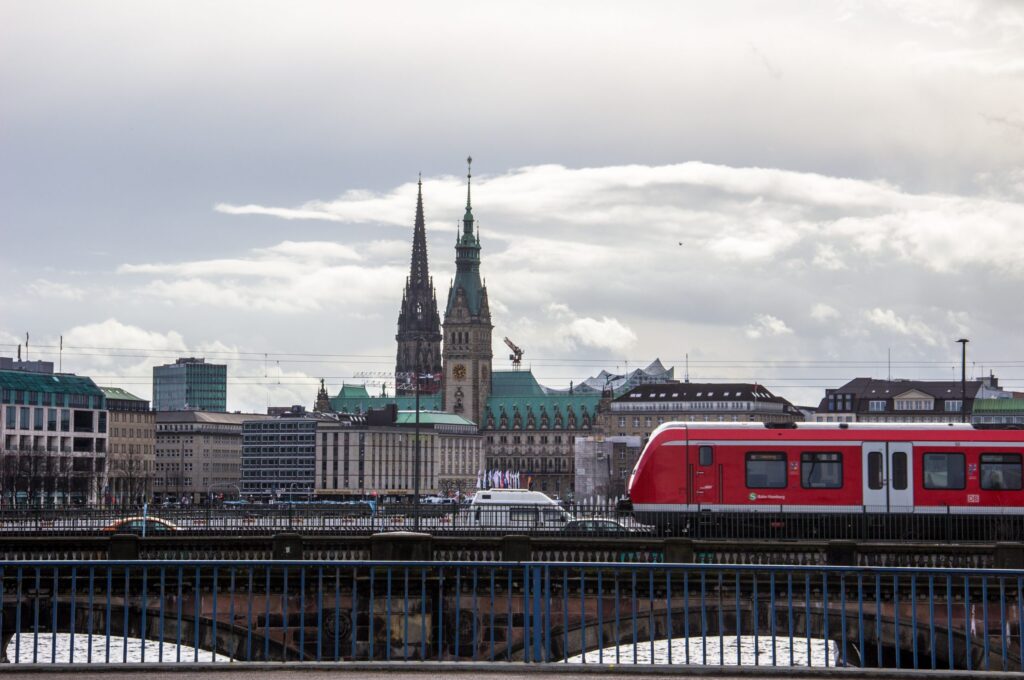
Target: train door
<point>888,477</point>
<point>705,477</point>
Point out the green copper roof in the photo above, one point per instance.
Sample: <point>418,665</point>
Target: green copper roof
<point>118,393</point>
<point>538,406</point>
<point>342,404</point>
<point>60,383</point>
<point>515,384</point>
<point>998,406</point>
<point>353,392</point>
<point>433,418</point>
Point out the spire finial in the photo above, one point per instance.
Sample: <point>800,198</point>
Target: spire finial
<point>469,180</point>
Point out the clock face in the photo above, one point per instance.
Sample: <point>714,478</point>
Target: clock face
<point>459,372</point>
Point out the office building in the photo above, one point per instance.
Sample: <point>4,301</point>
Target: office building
<point>53,430</point>
<point>190,384</point>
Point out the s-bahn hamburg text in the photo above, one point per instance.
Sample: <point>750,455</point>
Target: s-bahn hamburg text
<point>828,468</point>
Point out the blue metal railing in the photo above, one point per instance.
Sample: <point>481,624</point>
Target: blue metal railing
<point>184,612</point>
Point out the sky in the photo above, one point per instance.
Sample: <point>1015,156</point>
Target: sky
<point>791,193</point>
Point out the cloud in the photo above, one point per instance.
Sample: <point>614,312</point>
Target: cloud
<point>766,325</point>
<point>748,214</point>
<point>823,312</point>
<point>289,277</point>
<point>575,332</point>
<point>827,257</point>
<point>603,333</point>
<point>117,354</point>
<point>52,289</point>
<point>888,320</point>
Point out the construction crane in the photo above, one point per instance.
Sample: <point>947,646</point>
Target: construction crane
<point>517,354</point>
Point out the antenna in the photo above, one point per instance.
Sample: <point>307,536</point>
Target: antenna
<point>890,365</point>
<point>60,365</point>
<point>686,375</point>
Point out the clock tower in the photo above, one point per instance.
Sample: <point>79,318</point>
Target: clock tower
<point>467,354</point>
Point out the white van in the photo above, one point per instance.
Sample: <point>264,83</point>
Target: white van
<point>517,509</point>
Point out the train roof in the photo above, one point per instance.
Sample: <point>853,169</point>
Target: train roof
<point>802,431</point>
<point>819,426</point>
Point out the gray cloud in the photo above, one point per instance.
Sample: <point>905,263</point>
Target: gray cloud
<point>860,199</point>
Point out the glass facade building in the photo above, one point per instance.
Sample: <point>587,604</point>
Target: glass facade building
<point>190,384</point>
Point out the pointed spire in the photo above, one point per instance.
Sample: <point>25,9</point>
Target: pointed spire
<point>418,272</point>
<point>467,220</point>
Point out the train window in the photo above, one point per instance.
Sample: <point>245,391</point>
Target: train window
<point>874,470</point>
<point>706,455</point>
<point>1001,471</point>
<point>899,470</point>
<point>821,470</point>
<point>766,470</point>
<point>944,471</point>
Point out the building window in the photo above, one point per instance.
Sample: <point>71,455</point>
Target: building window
<point>913,405</point>
<point>821,470</point>
<point>876,405</point>
<point>1001,471</point>
<point>766,470</point>
<point>944,471</point>
<point>954,405</point>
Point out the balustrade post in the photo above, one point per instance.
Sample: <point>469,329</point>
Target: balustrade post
<point>841,553</point>
<point>516,548</point>
<point>287,546</point>
<point>123,547</point>
<point>1008,555</point>
<point>679,551</point>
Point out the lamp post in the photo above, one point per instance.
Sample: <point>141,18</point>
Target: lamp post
<point>963,379</point>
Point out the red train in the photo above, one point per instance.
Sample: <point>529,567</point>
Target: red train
<point>827,468</point>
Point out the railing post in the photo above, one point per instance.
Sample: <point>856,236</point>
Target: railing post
<point>678,551</point>
<point>406,546</point>
<point>841,553</point>
<point>516,548</point>
<point>1008,555</point>
<point>123,547</point>
<point>287,547</point>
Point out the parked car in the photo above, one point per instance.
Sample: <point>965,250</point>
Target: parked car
<point>148,526</point>
<point>596,527</point>
<point>438,500</point>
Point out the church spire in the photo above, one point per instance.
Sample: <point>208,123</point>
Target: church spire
<point>419,324</point>
<point>467,220</point>
<point>419,273</point>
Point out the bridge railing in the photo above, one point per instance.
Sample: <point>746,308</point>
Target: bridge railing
<point>533,612</point>
<point>950,524</point>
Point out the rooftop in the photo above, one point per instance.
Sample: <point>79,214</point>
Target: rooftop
<point>998,406</point>
<point>700,392</point>
<point>62,383</point>
<point>433,418</point>
<point>212,417</point>
<point>119,393</point>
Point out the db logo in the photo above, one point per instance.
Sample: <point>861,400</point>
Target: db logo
<point>752,496</point>
<point>973,498</point>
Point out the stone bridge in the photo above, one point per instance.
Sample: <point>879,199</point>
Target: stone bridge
<point>281,611</point>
